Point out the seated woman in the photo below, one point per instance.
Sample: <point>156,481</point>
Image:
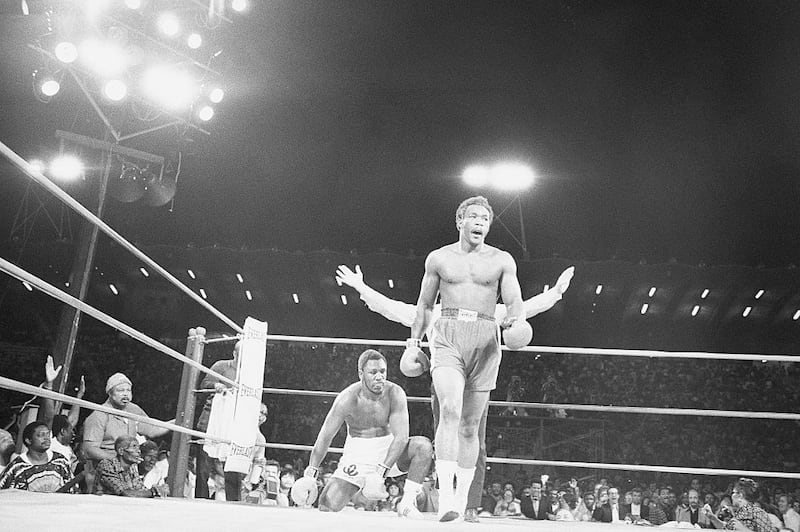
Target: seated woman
<point>508,505</point>
<point>389,504</point>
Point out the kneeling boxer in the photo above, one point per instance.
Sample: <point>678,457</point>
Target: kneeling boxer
<point>377,445</point>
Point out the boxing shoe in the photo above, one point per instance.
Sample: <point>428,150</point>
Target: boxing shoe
<point>471,515</point>
<point>449,516</point>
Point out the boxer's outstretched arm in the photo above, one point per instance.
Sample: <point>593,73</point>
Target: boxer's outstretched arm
<point>545,301</point>
<point>390,309</point>
<point>333,421</point>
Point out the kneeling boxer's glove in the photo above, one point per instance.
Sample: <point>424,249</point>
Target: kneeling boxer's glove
<point>375,485</point>
<point>304,491</point>
<point>414,361</point>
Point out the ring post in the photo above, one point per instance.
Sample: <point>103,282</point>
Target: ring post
<point>184,414</point>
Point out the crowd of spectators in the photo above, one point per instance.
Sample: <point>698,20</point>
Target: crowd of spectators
<point>106,362</point>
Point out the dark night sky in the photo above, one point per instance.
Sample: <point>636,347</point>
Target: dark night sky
<point>659,129</point>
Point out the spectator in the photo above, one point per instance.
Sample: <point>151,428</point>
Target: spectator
<point>711,500</point>
<point>581,511</point>
<point>612,511</point>
<point>774,515</point>
<point>101,430</point>
<point>515,393</point>
<point>63,433</point>
<point>154,471</point>
<point>588,502</point>
<point>672,503</point>
<point>569,510</point>
<point>390,503</point>
<point>62,427</point>
<point>47,411</point>
<point>490,499</point>
<point>689,509</point>
<point>288,477</point>
<point>6,448</point>
<point>602,496</point>
<point>533,507</point>
<point>638,510</point>
<point>267,491</point>
<point>791,519</point>
<point>39,468</point>
<point>746,514</point>
<point>553,504</point>
<point>658,515</point>
<point>120,475</point>
<point>508,505</point>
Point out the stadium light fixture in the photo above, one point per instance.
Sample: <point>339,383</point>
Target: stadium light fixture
<point>66,168</point>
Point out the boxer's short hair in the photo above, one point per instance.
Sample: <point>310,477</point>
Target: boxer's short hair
<point>366,356</point>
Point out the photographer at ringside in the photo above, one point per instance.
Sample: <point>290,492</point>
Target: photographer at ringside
<point>745,515</point>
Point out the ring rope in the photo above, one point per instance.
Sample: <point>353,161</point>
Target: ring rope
<point>557,350</point>
<point>47,288</point>
<point>586,408</point>
<point>49,394</point>
<point>222,339</point>
<point>23,165</point>
<point>28,389</point>
<point>596,465</point>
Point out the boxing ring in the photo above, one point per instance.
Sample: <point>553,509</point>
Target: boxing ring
<point>22,510</point>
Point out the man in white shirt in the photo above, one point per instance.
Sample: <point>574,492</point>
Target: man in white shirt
<point>791,519</point>
<point>63,434</point>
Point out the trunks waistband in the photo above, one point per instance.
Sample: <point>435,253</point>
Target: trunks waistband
<point>461,314</point>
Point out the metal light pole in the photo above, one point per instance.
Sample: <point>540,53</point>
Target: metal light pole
<point>83,262</point>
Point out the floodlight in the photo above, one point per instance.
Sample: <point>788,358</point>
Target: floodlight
<point>194,41</point>
<point>115,90</point>
<point>216,95</point>
<point>239,5</point>
<point>66,52</point>
<point>511,176</point>
<point>169,24</point>
<point>37,165</point>
<point>171,87</point>
<point>476,176</point>
<point>66,168</point>
<point>133,4</point>
<point>206,113</point>
<point>45,83</point>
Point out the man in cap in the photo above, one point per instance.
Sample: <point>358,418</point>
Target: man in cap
<point>101,430</point>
